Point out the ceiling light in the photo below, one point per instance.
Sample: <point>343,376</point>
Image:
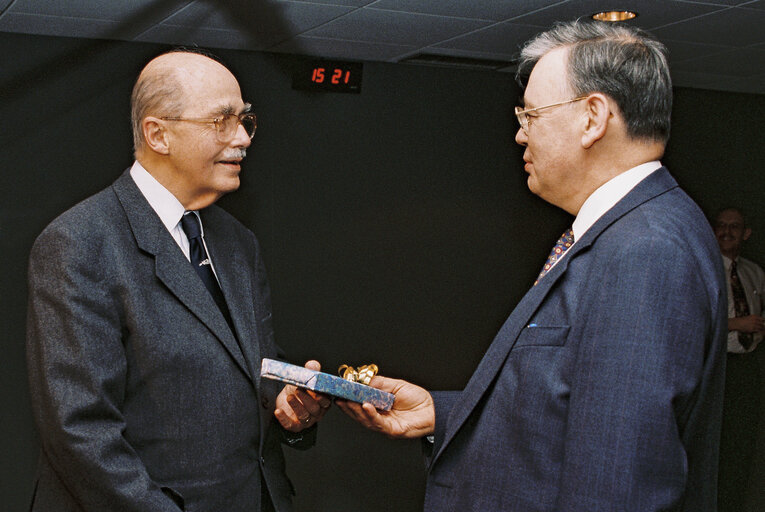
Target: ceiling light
<point>614,16</point>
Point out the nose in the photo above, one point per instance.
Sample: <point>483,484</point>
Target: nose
<point>241,138</point>
<point>521,137</point>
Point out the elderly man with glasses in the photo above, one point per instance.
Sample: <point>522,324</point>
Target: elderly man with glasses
<point>603,389</point>
<point>149,314</point>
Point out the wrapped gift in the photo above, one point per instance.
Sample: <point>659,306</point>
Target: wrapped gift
<point>325,383</point>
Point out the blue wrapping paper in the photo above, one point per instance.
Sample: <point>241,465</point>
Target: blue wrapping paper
<point>325,383</point>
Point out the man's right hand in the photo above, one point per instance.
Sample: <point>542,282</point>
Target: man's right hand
<point>412,415</point>
<point>747,324</point>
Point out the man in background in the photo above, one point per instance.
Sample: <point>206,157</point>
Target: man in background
<point>741,405</point>
<point>603,389</point>
<point>149,314</point>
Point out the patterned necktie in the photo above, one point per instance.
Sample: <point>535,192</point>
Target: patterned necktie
<point>739,304</point>
<point>565,241</point>
<point>201,262</point>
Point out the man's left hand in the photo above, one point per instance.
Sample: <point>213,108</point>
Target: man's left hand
<point>298,409</point>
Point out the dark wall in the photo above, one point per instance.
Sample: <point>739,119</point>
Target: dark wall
<point>396,224</point>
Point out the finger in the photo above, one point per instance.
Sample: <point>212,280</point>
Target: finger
<point>287,422</point>
<point>324,401</point>
<point>352,409</point>
<point>310,404</point>
<point>302,415</point>
<point>313,365</point>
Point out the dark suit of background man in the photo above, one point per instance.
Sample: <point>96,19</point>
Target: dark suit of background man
<point>145,391</point>
<point>741,405</point>
<point>603,389</point>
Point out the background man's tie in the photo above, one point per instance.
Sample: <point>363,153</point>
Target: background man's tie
<point>565,241</point>
<point>739,304</point>
<point>201,262</point>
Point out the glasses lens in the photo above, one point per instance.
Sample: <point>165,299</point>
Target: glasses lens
<point>521,117</point>
<point>228,126</point>
<point>250,123</point>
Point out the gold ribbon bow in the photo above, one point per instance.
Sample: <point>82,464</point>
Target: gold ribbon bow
<point>363,375</point>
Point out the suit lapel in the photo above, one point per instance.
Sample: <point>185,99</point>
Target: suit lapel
<point>171,267</point>
<point>234,280</point>
<point>655,184</point>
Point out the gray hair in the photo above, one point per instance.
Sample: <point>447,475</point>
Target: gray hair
<point>157,93</point>
<point>624,63</point>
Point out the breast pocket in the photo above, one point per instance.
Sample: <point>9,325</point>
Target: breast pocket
<point>534,335</point>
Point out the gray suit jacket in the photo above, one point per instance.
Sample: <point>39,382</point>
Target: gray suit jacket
<point>143,398</point>
<point>603,389</point>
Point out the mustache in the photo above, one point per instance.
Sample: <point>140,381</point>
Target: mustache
<point>235,154</point>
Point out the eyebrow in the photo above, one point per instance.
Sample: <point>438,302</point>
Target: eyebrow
<point>229,109</point>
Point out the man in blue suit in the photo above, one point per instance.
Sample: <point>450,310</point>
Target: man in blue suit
<point>603,389</point>
<point>149,314</point>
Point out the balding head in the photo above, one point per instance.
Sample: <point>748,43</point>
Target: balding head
<point>165,85</point>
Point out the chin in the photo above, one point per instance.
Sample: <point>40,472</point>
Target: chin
<point>230,185</point>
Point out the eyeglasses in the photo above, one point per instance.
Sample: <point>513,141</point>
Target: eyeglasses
<point>225,125</point>
<point>524,119</point>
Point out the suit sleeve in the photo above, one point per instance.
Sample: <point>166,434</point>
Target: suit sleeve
<point>647,373</point>
<point>443,402</point>
<point>77,371</point>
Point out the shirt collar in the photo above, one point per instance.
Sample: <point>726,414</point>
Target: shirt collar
<point>162,201</point>
<point>608,194</point>
<point>727,262</point>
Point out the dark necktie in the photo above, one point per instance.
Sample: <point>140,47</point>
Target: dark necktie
<point>201,262</point>
<point>739,304</point>
<point>565,241</point>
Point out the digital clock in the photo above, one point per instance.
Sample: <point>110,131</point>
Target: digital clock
<point>328,76</point>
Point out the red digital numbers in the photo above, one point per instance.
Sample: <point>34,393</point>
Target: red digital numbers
<point>338,76</point>
<point>326,76</point>
<point>318,75</point>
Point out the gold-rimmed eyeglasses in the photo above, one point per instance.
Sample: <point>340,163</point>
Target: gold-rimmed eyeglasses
<point>524,119</point>
<point>226,125</point>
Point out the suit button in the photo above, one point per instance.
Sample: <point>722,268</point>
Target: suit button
<point>265,402</point>
<point>263,460</point>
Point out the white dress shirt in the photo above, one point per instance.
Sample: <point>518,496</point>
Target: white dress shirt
<point>606,196</point>
<point>752,279</point>
<point>167,206</point>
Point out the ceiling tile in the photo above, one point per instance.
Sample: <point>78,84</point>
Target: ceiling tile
<point>651,13</point>
<point>258,27</point>
<point>735,26</point>
<point>57,26</point>
<point>473,54</point>
<point>201,37</point>
<point>378,26</point>
<point>728,3</point>
<point>497,10</point>
<point>94,9</point>
<point>297,16</point>
<point>342,49</point>
<point>713,42</point>
<point>756,4</point>
<point>347,3</point>
<point>502,38</point>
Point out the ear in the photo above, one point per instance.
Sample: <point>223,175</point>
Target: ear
<point>155,135</point>
<point>598,114</point>
<point>747,234</point>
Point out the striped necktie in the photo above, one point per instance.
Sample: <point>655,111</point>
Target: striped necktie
<point>740,305</point>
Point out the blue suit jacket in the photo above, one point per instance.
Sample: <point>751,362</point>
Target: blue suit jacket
<point>142,396</point>
<point>603,389</point>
